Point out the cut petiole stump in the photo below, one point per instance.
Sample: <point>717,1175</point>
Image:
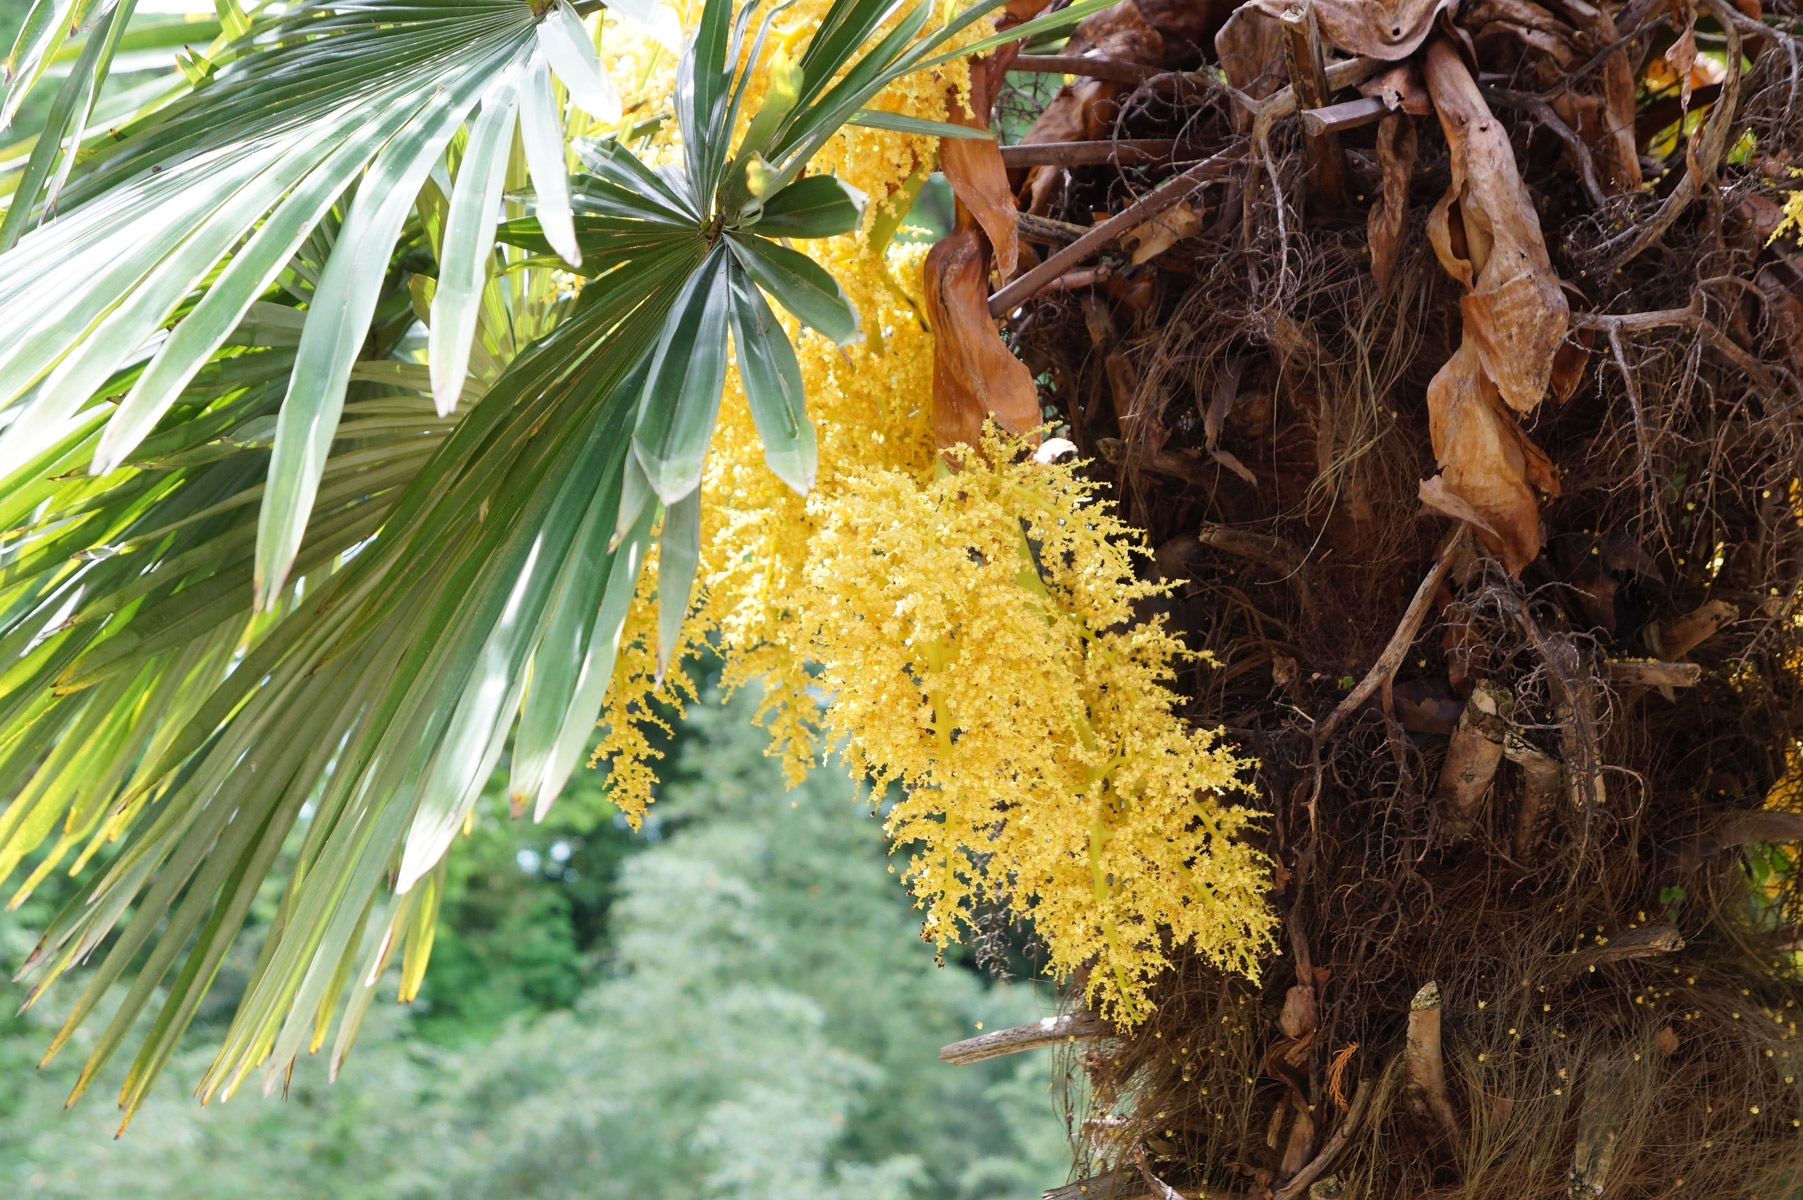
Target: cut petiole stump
<point>1308,76</point>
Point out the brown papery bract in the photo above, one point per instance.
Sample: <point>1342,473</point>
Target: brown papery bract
<point>1515,317</point>
<point>974,375</point>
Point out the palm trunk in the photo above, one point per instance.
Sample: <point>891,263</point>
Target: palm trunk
<point>1470,449</point>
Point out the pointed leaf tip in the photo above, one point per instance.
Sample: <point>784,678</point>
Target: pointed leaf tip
<point>771,377</point>
<point>541,135</point>
<point>468,245</point>
<point>687,371</point>
<point>565,41</point>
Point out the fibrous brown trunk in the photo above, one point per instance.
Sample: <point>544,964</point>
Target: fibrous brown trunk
<point>1477,471</point>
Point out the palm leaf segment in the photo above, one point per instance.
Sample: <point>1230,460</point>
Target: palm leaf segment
<point>179,435</point>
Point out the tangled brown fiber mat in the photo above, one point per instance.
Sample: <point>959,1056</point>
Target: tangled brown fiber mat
<point>1465,411</point>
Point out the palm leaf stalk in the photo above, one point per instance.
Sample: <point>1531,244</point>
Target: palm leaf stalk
<point>257,566</point>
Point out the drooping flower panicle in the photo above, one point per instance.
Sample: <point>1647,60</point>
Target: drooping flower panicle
<point>973,636</point>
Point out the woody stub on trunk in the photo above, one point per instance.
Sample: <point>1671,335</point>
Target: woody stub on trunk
<point>1451,356</point>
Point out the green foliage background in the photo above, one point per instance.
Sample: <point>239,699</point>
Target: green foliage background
<point>733,1002</point>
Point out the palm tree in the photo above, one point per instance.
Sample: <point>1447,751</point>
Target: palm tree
<point>283,586</point>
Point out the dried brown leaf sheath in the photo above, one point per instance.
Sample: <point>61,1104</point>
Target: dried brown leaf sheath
<point>1487,236</point>
<point>974,375</point>
<point>1485,460</point>
<point>1427,1067</point>
<point>1606,122</point>
<point>1389,218</point>
<point>1514,310</point>
<point>974,169</point>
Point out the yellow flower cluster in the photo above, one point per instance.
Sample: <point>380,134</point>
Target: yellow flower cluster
<point>870,409</point>
<point>973,636</point>
<point>977,636</point>
<point>1791,221</point>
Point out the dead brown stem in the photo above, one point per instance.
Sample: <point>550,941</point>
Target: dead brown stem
<point>1740,829</point>
<point>1273,552</point>
<point>1176,190</point>
<point>1308,76</point>
<point>1082,277</point>
<point>1071,154</point>
<point>1631,322</point>
<point>1541,777</point>
<point>1678,638</point>
<point>1048,1032</point>
<point>1046,231</point>
<point>1349,114</point>
<point>1280,104</point>
<point>1384,669</point>
<point>1112,69</point>
<point>1574,699</point>
<point>1648,941</point>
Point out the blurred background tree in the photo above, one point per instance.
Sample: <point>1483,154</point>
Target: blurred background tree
<point>733,1001</point>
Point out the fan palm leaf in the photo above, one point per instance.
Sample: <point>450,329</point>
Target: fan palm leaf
<point>259,564</point>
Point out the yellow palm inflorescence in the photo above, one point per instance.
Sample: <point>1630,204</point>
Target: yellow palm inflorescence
<point>973,635</point>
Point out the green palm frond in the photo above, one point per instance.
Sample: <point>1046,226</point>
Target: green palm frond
<point>260,561</point>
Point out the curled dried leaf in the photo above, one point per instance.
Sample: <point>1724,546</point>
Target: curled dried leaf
<point>1569,362</point>
<point>973,166</point>
<point>1162,232</point>
<point>974,374</point>
<point>1488,468</point>
<point>1300,1012</point>
<point>1401,89</point>
<point>1515,310</point>
<point>1607,123</point>
<point>1487,236</point>
<point>1682,55</point>
<point>1250,50</point>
